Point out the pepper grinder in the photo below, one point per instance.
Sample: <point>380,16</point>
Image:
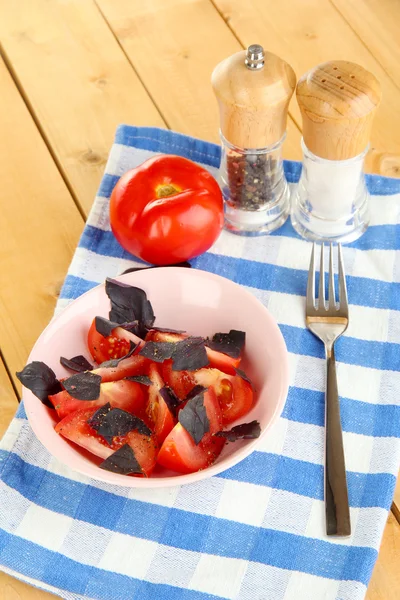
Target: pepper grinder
<point>253,89</point>
<point>338,100</point>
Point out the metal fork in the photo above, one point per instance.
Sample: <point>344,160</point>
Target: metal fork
<point>328,321</point>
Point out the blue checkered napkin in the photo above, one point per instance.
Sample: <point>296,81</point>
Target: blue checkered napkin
<point>255,532</point>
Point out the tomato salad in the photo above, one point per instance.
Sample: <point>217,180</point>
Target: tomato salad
<point>155,396</point>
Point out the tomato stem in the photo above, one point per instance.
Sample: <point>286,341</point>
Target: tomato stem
<point>167,189</point>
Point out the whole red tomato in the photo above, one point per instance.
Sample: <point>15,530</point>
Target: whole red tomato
<point>167,210</point>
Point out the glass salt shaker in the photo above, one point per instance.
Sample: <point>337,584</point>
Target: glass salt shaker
<point>253,89</point>
<point>338,100</point>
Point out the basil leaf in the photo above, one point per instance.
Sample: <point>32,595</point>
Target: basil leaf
<point>41,380</point>
<point>123,461</point>
<point>194,418</point>
<point>231,343</point>
<point>134,269</point>
<point>83,386</point>
<point>76,363</point>
<point>170,399</point>
<point>158,351</point>
<point>104,326</point>
<point>113,422</point>
<point>143,379</point>
<point>129,303</point>
<point>189,355</point>
<point>245,431</point>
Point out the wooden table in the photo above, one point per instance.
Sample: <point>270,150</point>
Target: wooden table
<point>72,70</point>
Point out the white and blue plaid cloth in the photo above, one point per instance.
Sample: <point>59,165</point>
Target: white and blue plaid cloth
<point>256,531</point>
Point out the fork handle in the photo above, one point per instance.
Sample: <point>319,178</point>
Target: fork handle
<point>336,497</point>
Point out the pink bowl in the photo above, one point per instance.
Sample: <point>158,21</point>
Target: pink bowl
<point>187,299</point>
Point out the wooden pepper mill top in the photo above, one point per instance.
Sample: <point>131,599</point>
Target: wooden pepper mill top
<point>253,89</point>
<point>338,100</point>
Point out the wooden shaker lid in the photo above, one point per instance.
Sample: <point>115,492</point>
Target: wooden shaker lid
<point>338,100</point>
<point>253,89</point>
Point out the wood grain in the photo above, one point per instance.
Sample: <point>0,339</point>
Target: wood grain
<point>79,85</point>
<point>309,33</point>
<point>253,105</point>
<point>338,102</point>
<point>384,163</point>
<point>385,580</point>
<point>172,35</point>
<point>376,22</point>
<point>77,81</point>
<point>13,589</point>
<point>39,228</point>
<point>396,501</point>
<point>8,400</point>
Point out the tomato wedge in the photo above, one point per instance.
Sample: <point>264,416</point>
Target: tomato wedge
<point>126,395</point>
<point>218,360</point>
<point>145,449</point>
<point>182,382</point>
<point>180,453</point>
<point>223,362</point>
<point>133,365</point>
<point>157,411</point>
<point>235,395</point>
<point>115,345</point>
<point>75,428</point>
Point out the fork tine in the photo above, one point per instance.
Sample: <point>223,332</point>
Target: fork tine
<point>331,295</point>
<point>343,304</point>
<point>321,289</point>
<point>310,299</point>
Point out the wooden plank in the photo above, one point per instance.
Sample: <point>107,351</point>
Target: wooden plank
<point>77,81</point>
<point>306,34</point>
<point>183,41</point>
<point>39,228</point>
<point>385,580</point>
<point>384,163</point>
<point>376,22</point>
<point>396,501</point>
<point>13,589</point>
<point>8,400</point>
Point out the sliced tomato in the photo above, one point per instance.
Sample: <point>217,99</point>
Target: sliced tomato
<point>180,453</point>
<point>235,395</point>
<point>214,413</point>
<point>133,365</point>
<point>75,428</point>
<point>157,410</point>
<point>218,360</point>
<point>223,362</point>
<point>145,449</point>
<point>115,345</point>
<point>212,445</point>
<point>127,395</point>
<point>163,336</point>
<point>182,382</point>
